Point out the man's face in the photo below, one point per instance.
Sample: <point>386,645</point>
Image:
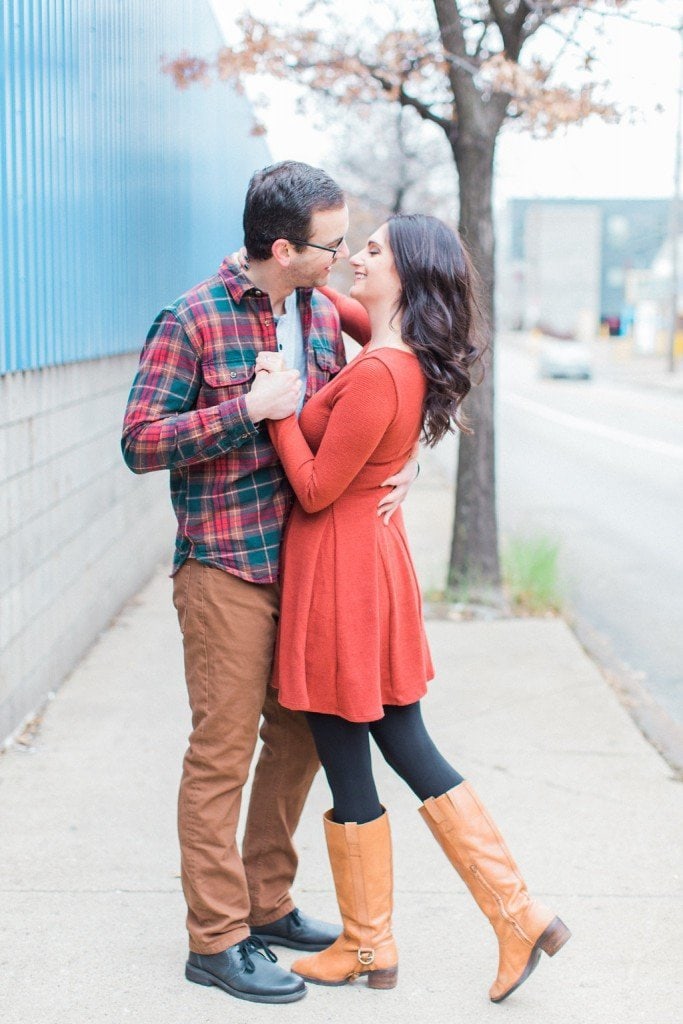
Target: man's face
<point>311,267</point>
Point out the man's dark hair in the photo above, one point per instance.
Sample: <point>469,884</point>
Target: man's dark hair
<point>281,200</point>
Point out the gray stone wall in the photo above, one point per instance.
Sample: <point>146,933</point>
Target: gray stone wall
<point>79,533</point>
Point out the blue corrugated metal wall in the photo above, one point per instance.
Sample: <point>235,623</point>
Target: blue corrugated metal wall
<point>117,191</point>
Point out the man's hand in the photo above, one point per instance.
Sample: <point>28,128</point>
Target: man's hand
<point>274,396</point>
<point>401,483</point>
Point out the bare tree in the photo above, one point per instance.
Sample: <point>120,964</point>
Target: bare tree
<point>387,162</point>
<point>463,68</point>
<point>393,163</point>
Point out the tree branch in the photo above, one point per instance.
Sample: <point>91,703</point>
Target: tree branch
<point>569,40</point>
<point>425,111</point>
<point>545,9</point>
<point>480,42</point>
<point>511,25</point>
<point>520,16</point>
<point>452,34</point>
<point>406,100</point>
<point>435,75</point>
<point>451,27</point>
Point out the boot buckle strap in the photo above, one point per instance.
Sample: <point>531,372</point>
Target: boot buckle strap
<point>366,957</point>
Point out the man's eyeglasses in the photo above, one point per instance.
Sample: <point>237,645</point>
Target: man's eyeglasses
<point>314,245</point>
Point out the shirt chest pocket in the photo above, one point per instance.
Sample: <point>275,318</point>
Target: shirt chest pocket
<point>325,363</point>
<point>224,380</point>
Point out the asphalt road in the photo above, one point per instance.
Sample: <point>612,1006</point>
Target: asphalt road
<point>599,466</point>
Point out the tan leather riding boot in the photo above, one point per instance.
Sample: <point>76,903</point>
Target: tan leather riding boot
<point>360,857</point>
<point>474,846</point>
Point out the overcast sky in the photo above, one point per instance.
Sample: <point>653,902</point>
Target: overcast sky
<point>635,158</point>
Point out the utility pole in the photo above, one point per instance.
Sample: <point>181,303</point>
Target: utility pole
<point>676,216</point>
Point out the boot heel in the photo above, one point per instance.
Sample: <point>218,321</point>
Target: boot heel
<point>385,978</point>
<point>554,937</point>
<point>195,974</point>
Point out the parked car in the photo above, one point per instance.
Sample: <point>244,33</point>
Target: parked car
<point>565,358</point>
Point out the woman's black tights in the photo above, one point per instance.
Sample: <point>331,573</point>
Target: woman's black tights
<point>344,752</point>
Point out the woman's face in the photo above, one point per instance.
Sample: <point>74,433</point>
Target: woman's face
<point>375,275</point>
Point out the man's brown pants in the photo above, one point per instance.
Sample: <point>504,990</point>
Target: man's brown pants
<point>229,628</point>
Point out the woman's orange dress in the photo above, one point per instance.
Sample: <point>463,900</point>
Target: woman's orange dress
<point>351,635</point>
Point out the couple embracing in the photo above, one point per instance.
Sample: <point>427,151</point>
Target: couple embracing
<point>296,596</point>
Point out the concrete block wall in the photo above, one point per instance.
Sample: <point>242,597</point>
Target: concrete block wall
<point>79,533</point>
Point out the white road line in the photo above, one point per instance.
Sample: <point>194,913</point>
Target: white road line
<point>565,419</point>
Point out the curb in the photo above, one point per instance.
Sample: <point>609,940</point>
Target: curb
<point>662,731</point>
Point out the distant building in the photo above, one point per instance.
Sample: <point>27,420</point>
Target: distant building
<point>117,193</point>
<point>650,294</point>
<point>567,261</point>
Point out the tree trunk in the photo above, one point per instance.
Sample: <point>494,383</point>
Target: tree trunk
<point>474,569</point>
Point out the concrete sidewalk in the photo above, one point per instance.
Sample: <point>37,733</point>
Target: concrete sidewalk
<point>92,921</point>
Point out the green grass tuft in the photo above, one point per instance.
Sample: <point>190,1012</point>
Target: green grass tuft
<point>531,574</point>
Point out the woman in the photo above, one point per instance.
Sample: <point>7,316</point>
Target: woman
<point>352,651</point>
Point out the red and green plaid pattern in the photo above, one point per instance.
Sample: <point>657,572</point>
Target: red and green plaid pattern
<point>186,413</point>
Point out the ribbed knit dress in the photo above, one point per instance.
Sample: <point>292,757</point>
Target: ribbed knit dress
<point>351,635</point>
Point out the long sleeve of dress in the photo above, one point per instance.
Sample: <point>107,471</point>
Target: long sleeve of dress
<point>363,409</point>
<point>354,318</point>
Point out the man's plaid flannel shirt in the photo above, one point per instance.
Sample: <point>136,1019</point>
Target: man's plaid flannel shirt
<point>187,413</point>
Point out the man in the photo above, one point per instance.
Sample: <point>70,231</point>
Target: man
<point>197,408</point>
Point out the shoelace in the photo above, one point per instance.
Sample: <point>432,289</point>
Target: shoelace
<point>254,945</point>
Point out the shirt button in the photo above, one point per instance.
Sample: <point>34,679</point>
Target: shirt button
<point>280,347</point>
<point>233,373</point>
<point>257,292</point>
<point>268,322</point>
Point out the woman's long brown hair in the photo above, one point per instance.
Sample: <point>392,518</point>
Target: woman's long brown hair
<point>439,315</point>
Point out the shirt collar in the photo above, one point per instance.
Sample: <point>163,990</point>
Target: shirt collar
<point>239,285</point>
<point>290,303</point>
<point>235,280</point>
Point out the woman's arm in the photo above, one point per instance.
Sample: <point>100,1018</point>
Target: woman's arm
<point>364,407</point>
<point>354,319</point>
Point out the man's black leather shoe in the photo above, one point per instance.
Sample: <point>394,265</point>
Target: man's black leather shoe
<point>246,970</point>
<point>296,931</point>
